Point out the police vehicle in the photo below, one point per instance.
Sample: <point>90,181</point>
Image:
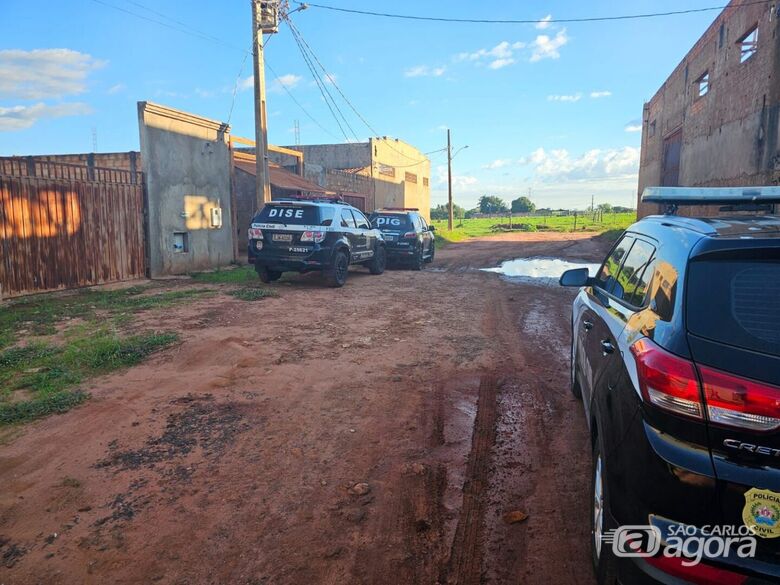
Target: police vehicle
<point>409,237</point>
<point>325,235</point>
<point>676,356</point>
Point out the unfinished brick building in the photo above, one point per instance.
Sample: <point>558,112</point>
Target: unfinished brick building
<point>714,122</point>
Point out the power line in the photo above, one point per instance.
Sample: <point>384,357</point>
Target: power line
<point>326,96</point>
<point>297,103</point>
<point>298,36</point>
<point>528,21</point>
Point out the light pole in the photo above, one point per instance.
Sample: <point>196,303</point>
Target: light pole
<point>450,156</point>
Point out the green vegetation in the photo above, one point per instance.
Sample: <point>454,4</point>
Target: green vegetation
<point>241,275</point>
<point>611,224</point>
<point>249,293</point>
<point>39,316</point>
<point>44,375</point>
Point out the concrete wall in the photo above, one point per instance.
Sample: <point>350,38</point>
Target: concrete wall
<point>402,175</point>
<point>187,166</point>
<point>336,156</point>
<point>127,161</point>
<point>730,135</point>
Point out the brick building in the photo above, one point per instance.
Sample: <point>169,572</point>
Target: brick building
<point>715,121</point>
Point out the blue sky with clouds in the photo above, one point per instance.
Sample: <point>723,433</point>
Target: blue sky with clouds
<point>548,107</point>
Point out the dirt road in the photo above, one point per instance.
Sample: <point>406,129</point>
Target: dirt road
<point>373,434</point>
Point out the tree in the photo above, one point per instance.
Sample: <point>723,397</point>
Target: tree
<point>442,211</point>
<point>523,205</point>
<point>605,207</point>
<point>489,204</point>
<point>471,213</point>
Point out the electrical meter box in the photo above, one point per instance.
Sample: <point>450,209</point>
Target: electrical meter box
<point>216,217</point>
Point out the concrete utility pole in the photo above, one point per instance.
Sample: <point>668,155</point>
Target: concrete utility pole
<point>449,179</point>
<point>265,18</point>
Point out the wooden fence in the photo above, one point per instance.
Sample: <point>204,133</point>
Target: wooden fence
<point>67,226</point>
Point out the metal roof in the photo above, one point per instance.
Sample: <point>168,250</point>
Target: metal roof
<point>282,178</point>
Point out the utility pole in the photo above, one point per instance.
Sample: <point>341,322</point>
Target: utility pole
<point>449,179</point>
<point>265,19</point>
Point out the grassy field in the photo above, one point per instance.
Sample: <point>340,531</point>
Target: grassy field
<point>612,224</point>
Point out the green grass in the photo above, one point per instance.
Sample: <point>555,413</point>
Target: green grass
<point>470,228</point>
<point>249,293</point>
<point>43,376</point>
<point>48,375</point>
<point>40,315</point>
<point>240,275</point>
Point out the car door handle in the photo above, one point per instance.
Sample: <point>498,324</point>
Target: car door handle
<point>607,347</point>
<point>587,325</point>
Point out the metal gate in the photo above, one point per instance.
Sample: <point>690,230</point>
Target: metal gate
<point>67,226</point>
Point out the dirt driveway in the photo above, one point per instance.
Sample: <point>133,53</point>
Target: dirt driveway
<point>373,434</point>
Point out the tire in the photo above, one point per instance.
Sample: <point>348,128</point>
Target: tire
<point>268,276</point>
<point>603,557</point>
<point>379,261</point>
<point>417,263</point>
<point>336,273</point>
<point>433,253</point>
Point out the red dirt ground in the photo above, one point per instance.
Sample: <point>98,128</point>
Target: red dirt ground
<point>235,456</point>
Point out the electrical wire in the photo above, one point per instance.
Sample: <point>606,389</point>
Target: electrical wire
<point>528,21</point>
<point>297,34</point>
<point>326,95</point>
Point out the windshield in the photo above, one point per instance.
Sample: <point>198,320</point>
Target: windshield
<point>390,221</point>
<point>295,215</point>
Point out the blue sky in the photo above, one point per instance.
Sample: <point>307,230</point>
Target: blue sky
<point>541,107</point>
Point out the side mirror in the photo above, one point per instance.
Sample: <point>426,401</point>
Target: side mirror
<point>432,228</point>
<point>575,277</point>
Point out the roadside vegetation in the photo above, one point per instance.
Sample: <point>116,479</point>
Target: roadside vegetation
<point>611,224</point>
<point>52,344</point>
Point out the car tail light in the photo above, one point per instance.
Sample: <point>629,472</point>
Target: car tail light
<point>410,235</point>
<point>315,237</point>
<point>739,402</point>
<point>672,383</point>
<point>667,381</point>
<point>255,234</point>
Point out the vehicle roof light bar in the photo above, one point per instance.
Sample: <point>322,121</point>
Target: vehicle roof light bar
<point>673,197</point>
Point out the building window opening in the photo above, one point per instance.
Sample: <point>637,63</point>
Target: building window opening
<point>703,84</point>
<point>748,44</point>
<point>181,243</point>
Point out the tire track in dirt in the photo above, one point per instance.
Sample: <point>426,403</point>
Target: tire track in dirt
<point>465,565</point>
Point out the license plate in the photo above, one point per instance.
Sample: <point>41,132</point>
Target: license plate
<point>390,238</point>
<point>282,237</point>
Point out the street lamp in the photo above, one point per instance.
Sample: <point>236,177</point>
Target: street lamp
<point>450,156</point>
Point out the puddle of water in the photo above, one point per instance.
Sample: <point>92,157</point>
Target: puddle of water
<point>543,271</point>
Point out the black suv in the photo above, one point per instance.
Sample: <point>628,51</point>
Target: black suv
<point>676,356</point>
<point>409,237</point>
<point>308,235</point>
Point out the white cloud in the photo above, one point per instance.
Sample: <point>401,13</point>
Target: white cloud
<point>425,71</point>
<point>500,63</point>
<point>458,181</point>
<point>117,88</point>
<point>498,57</point>
<point>289,81</point>
<point>21,117</point>
<point>498,164</point>
<point>634,126</point>
<point>559,165</point>
<point>330,78</point>
<point>565,98</point>
<point>44,73</point>
<point>546,47</point>
<point>600,94</point>
<point>544,23</point>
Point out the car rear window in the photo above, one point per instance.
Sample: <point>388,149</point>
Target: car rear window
<point>295,215</point>
<point>390,221</point>
<point>736,302</point>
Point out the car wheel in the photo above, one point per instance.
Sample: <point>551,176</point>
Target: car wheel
<point>604,560</point>
<point>336,274</point>
<point>433,253</point>
<point>417,263</point>
<point>379,261</point>
<point>267,276</point>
